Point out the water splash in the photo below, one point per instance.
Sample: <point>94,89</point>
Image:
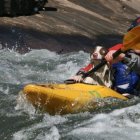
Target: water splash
<point>38,66</point>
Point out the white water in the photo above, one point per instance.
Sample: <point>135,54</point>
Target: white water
<point>20,121</point>
<point>39,66</point>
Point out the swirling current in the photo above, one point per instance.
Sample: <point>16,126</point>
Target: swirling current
<point>20,121</point>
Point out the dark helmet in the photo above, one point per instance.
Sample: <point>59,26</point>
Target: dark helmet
<point>135,23</point>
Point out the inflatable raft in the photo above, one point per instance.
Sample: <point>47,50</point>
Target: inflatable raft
<point>67,98</point>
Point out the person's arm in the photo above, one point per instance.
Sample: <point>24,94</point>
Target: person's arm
<point>109,57</point>
<point>134,62</point>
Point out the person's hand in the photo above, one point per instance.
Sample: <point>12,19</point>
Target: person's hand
<point>77,78</point>
<point>109,57</point>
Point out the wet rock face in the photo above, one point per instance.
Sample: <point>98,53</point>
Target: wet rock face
<point>70,25</point>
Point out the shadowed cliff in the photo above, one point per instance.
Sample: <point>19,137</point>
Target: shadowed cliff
<point>76,25</point>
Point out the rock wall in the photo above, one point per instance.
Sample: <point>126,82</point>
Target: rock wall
<point>70,25</point>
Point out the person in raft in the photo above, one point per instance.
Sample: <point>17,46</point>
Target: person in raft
<point>119,74</point>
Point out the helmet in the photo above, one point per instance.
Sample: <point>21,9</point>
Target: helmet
<point>135,23</point>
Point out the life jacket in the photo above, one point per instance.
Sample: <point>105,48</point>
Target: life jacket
<point>124,81</point>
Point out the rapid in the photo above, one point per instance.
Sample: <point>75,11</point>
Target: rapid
<point>20,120</point>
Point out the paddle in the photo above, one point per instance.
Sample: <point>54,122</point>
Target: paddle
<point>131,40</point>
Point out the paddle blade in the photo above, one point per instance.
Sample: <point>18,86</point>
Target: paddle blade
<point>132,39</point>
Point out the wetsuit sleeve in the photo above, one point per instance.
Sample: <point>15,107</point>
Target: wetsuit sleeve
<point>134,62</point>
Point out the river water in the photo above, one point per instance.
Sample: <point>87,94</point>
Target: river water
<point>20,120</point>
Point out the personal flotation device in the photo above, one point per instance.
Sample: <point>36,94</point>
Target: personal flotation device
<point>125,81</point>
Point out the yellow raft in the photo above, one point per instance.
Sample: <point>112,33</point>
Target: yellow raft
<point>67,98</point>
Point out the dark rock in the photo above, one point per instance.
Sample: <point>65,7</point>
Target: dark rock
<point>70,25</point>
<point>21,7</point>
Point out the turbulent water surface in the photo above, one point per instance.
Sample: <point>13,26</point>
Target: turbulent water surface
<point>20,120</point>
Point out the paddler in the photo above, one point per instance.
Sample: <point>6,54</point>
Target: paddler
<point>128,63</point>
<point>125,69</point>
